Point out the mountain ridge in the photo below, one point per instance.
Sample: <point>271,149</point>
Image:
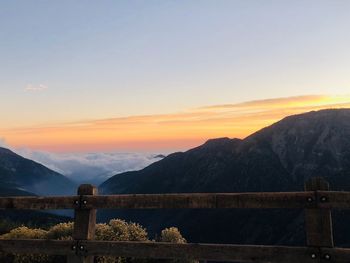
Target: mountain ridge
<point>23,176</point>
<point>280,157</point>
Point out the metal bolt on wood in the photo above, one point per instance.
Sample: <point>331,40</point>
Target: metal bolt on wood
<point>318,222</point>
<point>84,224</point>
<point>310,199</point>
<point>323,199</point>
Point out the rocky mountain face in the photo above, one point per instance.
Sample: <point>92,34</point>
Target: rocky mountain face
<point>280,157</point>
<point>20,176</point>
<point>312,144</point>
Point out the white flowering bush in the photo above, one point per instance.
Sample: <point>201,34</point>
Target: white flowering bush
<point>24,232</point>
<point>173,235</point>
<point>115,230</point>
<point>119,230</point>
<point>62,231</point>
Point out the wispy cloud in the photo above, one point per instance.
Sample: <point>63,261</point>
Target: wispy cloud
<point>36,88</point>
<point>177,131</point>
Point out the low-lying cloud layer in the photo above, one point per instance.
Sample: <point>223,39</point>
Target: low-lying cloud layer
<point>90,167</point>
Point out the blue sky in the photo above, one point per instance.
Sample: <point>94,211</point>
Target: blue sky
<point>106,59</point>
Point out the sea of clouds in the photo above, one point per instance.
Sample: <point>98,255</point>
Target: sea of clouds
<point>91,167</point>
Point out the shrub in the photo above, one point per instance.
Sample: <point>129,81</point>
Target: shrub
<point>119,230</point>
<point>62,231</point>
<point>115,230</point>
<point>173,235</point>
<point>24,233</point>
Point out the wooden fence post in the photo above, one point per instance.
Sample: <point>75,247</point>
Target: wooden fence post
<point>84,224</point>
<point>318,222</point>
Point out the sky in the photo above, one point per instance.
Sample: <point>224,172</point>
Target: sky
<point>89,76</point>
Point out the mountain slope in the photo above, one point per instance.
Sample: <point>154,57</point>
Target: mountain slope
<point>312,144</point>
<point>277,158</point>
<point>19,175</point>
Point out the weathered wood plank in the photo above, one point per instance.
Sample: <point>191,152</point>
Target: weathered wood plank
<point>318,222</point>
<point>338,255</point>
<point>159,201</point>
<point>84,224</point>
<point>37,246</point>
<point>215,252</point>
<point>196,201</point>
<point>334,200</point>
<point>203,252</point>
<point>39,203</point>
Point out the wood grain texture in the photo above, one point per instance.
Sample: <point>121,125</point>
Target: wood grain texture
<point>215,252</point>
<point>84,225</point>
<point>37,246</point>
<point>160,201</point>
<point>338,255</point>
<point>318,222</point>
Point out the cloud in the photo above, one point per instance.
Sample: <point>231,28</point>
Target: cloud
<point>36,88</point>
<point>90,167</point>
<point>167,132</point>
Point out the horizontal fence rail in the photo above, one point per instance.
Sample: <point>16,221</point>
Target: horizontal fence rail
<point>303,200</point>
<point>215,252</point>
<point>317,202</point>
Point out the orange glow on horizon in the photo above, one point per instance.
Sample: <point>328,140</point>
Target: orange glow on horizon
<point>178,131</point>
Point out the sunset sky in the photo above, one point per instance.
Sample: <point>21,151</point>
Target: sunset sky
<point>80,76</point>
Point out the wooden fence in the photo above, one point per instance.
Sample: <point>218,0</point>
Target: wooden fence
<point>317,201</point>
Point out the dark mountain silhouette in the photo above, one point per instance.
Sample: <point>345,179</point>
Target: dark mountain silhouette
<point>280,157</point>
<point>21,176</point>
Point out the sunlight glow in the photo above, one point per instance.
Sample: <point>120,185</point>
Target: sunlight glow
<point>171,132</point>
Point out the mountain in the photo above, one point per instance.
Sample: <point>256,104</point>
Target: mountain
<point>280,157</point>
<point>21,176</point>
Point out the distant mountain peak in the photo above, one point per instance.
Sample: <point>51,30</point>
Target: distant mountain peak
<point>287,153</point>
<point>327,117</point>
<point>6,151</point>
<point>280,157</point>
<point>219,142</point>
<point>19,173</point>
